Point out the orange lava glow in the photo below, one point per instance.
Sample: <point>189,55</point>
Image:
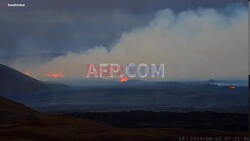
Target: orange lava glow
<point>55,75</point>
<point>27,73</point>
<point>232,87</point>
<point>124,79</point>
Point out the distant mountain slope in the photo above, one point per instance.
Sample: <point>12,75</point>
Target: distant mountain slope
<point>14,83</point>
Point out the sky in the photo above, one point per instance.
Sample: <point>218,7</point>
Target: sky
<point>194,39</point>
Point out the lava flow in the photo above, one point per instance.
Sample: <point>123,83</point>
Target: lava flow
<point>55,75</point>
<point>124,79</point>
<point>232,87</point>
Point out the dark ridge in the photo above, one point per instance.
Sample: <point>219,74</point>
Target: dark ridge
<point>13,81</point>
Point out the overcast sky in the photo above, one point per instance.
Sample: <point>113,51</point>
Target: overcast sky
<point>59,26</point>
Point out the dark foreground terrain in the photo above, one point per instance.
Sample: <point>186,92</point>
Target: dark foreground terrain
<point>18,122</point>
<point>191,120</point>
<point>60,128</point>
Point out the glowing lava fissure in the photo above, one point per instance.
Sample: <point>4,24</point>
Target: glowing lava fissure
<point>124,79</point>
<point>232,87</point>
<point>55,75</point>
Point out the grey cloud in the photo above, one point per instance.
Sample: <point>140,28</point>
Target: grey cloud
<point>62,25</point>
